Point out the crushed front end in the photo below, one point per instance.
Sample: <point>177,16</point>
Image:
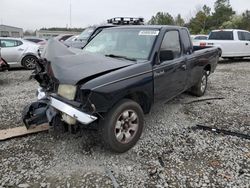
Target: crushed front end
<point>56,102</point>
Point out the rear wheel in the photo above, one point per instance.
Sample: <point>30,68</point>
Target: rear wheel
<point>199,89</point>
<point>122,126</point>
<point>29,62</point>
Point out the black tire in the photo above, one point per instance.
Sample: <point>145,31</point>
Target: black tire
<point>220,52</point>
<point>200,87</point>
<point>109,126</point>
<point>29,62</point>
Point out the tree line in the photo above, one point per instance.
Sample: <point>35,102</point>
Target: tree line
<point>223,17</point>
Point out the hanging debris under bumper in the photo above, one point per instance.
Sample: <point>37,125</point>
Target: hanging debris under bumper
<point>35,113</point>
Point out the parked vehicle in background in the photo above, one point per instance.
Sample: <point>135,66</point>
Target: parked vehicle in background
<point>63,37</point>
<point>197,38</point>
<point>37,40</point>
<point>86,35</point>
<point>19,53</point>
<point>233,43</point>
<point>121,72</point>
<point>3,64</point>
<point>71,40</point>
<point>40,41</point>
<point>90,32</point>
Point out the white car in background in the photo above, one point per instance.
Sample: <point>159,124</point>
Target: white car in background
<point>19,53</point>
<point>197,38</point>
<point>232,43</point>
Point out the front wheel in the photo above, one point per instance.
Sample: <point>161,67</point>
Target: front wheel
<point>122,126</point>
<point>200,87</point>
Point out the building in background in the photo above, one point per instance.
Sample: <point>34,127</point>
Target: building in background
<point>10,31</point>
<point>47,34</point>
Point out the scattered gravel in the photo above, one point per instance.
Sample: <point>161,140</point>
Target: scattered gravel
<point>169,154</point>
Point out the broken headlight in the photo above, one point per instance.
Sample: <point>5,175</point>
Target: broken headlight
<point>67,91</point>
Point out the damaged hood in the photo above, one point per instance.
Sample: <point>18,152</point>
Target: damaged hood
<point>69,67</point>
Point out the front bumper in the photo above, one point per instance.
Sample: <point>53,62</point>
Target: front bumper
<point>80,116</point>
<point>47,108</point>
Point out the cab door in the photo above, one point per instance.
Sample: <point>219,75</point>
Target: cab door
<point>170,75</point>
<point>244,40</point>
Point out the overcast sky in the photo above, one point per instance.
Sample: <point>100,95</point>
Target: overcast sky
<point>34,14</point>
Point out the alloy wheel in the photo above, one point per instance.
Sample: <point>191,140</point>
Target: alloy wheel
<point>126,126</point>
<point>30,63</point>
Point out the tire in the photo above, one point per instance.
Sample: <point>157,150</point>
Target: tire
<point>116,125</point>
<point>220,52</point>
<point>29,62</point>
<point>199,89</point>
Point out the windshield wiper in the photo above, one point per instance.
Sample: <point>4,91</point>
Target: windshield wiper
<point>120,56</point>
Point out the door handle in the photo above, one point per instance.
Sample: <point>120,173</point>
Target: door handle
<point>247,44</point>
<point>184,67</point>
<point>20,49</point>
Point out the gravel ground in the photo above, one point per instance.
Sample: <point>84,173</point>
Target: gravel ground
<point>169,154</point>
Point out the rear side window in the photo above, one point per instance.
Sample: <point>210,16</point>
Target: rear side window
<point>7,43</point>
<point>171,42</point>
<point>221,35</point>
<point>243,35</point>
<point>187,44</point>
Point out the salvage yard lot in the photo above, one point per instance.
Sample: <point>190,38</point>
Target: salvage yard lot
<point>169,153</point>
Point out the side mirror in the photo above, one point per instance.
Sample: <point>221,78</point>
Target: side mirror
<point>166,55</point>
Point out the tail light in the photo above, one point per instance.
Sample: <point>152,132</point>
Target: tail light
<point>1,62</point>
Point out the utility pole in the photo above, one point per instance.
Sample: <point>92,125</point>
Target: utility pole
<point>70,18</point>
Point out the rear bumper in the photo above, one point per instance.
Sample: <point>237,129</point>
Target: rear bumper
<point>78,115</point>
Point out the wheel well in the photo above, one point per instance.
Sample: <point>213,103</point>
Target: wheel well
<point>142,99</point>
<point>208,69</point>
<point>220,52</point>
<point>29,55</point>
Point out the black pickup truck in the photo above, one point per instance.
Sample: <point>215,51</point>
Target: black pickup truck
<point>116,79</point>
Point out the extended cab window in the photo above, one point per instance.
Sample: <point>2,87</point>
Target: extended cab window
<point>6,43</point>
<point>171,43</point>
<point>187,44</point>
<point>221,35</point>
<point>244,35</point>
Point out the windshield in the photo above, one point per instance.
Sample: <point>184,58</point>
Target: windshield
<point>86,33</point>
<point>128,43</point>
